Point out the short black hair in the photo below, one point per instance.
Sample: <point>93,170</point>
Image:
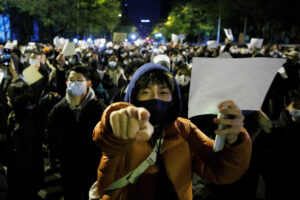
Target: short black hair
<point>133,66</point>
<point>154,77</point>
<point>22,98</point>
<point>85,71</point>
<point>182,66</point>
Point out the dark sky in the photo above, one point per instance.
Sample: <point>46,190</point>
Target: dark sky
<point>144,9</point>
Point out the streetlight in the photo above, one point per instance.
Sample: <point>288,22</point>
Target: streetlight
<point>75,40</point>
<point>133,36</point>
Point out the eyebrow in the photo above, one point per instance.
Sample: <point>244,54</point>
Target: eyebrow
<point>163,87</point>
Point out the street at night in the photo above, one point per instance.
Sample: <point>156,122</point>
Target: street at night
<point>149,100</point>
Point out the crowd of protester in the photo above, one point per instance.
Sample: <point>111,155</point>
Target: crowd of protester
<point>34,116</point>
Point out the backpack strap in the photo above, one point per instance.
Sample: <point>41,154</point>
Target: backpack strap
<point>134,175</point>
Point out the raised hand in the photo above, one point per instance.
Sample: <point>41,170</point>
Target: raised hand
<point>235,124</point>
<point>131,123</point>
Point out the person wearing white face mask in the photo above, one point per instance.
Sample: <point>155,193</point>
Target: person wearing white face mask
<point>115,72</point>
<point>73,60</point>
<point>33,61</point>
<point>183,80</point>
<point>244,51</point>
<point>69,127</point>
<point>183,77</point>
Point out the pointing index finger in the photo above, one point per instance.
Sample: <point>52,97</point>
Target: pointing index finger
<point>143,115</point>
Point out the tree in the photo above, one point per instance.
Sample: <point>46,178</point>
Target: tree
<point>98,16</point>
<point>190,19</point>
<point>268,19</point>
<point>81,17</point>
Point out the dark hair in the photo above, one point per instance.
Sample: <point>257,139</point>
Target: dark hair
<point>50,53</point>
<point>164,63</point>
<point>22,98</point>
<point>133,66</point>
<point>85,71</point>
<point>17,51</point>
<point>154,77</point>
<point>182,66</point>
<point>292,96</point>
<point>112,58</point>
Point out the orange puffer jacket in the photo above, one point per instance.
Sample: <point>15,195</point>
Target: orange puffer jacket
<point>185,150</point>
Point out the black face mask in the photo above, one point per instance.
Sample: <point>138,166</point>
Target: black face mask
<point>158,109</point>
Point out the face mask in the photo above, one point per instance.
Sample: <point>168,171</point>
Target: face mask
<point>160,51</point>
<point>3,74</point>
<point>76,88</point>
<point>112,64</point>
<point>244,51</point>
<point>72,61</point>
<point>234,51</point>
<point>182,80</point>
<point>50,57</point>
<point>125,62</point>
<point>32,62</point>
<point>23,59</point>
<point>109,52</point>
<point>158,110</point>
<point>295,114</point>
<point>176,59</point>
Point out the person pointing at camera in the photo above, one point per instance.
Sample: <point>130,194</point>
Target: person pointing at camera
<point>149,152</point>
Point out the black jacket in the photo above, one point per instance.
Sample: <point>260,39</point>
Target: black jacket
<point>71,142</point>
<point>25,168</point>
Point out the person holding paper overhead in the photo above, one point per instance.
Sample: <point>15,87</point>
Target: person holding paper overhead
<point>150,153</point>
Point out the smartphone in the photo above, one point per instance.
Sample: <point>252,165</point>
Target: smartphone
<point>220,139</point>
<point>6,55</point>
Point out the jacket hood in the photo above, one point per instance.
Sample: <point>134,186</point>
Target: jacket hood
<point>176,98</point>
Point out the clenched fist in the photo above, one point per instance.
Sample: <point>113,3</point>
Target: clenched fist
<point>131,123</point>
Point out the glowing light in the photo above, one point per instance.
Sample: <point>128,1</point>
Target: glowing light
<point>133,36</point>
<point>75,40</point>
<point>157,35</point>
<point>145,20</point>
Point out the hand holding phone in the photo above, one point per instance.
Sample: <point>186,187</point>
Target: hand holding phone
<point>230,122</point>
<point>220,139</point>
